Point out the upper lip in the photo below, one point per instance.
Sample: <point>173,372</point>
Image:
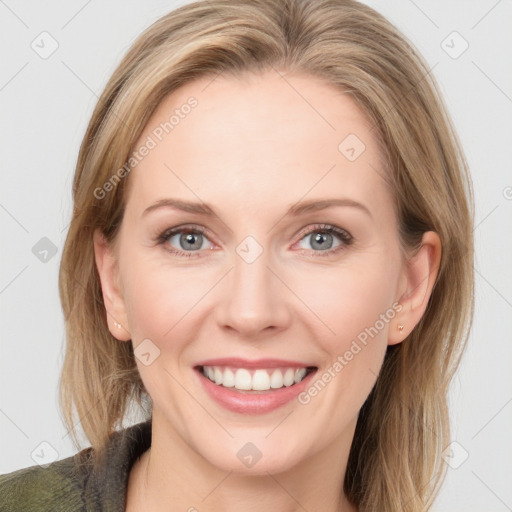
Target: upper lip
<point>239,362</point>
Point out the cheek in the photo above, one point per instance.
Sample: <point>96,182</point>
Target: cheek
<point>338,301</point>
<point>161,303</point>
<point>357,308</point>
<point>159,298</point>
<point>349,299</point>
<point>354,311</point>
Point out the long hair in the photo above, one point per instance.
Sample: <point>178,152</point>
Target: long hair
<point>395,461</point>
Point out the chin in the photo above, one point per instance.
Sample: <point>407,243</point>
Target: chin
<point>257,458</point>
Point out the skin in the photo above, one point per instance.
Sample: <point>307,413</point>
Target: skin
<point>251,148</point>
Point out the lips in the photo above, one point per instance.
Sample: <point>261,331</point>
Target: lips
<point>257,395</point>
<point>238,362</point>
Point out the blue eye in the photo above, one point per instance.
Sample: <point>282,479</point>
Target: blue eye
<point>187,238</point>
<point>322,235</point>
<point>190,240</point>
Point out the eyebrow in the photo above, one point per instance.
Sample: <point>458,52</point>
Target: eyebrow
<point>301,208</point>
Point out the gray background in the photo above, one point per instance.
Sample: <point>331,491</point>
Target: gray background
<point>46,104</point>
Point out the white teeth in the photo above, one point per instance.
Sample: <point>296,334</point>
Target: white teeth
<point>259,380</point>
<point>276,380</point>
<point>218,375</point>
<point>289,377</point>
<point>242,379</point>
<point>228,378</point>
<point>299,374</point>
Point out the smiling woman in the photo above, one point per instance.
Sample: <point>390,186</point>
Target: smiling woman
<point>282,278</point>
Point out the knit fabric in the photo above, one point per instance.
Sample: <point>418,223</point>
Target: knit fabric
<point>72,484</point>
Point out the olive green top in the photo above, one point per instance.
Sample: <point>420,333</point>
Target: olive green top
<point>72,484</point>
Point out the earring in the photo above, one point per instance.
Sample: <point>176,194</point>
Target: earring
<point>400,327</point>
<point>117,325</point>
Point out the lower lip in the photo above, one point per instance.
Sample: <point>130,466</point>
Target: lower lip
<point>253,403</point>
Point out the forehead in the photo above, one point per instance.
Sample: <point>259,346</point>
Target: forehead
<point>259,139</point>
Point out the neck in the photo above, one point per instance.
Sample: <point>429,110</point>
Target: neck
<point>171,473</point>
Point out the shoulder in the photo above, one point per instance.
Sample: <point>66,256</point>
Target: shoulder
<point>77,483</point>
<point>54,487</point>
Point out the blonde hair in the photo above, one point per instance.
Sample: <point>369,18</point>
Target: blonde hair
<point>395,460</point>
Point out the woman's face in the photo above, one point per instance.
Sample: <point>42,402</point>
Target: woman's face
<point>254,280</point>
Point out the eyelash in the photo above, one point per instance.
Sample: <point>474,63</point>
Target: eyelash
<point>343,235</point>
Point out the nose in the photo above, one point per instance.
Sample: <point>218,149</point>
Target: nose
<point>254,297</point>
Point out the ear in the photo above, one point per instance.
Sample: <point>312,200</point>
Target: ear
<point>106,263</point>
<point>416,285</point>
